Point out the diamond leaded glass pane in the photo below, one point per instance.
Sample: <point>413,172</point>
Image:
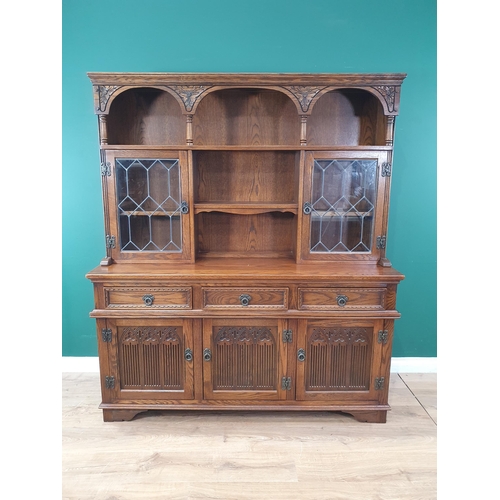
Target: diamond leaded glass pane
<point>343,205</point>
<point>149,204</point>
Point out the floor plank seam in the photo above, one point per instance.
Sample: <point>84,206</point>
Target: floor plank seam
<point>413,394</point>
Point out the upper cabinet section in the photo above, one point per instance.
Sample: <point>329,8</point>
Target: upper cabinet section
<point>246,110</point>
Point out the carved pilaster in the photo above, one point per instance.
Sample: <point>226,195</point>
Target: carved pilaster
<point>303,130</point>
<point>304,94</point>
<point>189,130</point>
<point>103,129</point>
<point>189,94</point>
<point>389,137</point>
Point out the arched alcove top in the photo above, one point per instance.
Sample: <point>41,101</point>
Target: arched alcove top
<point>304,88</point>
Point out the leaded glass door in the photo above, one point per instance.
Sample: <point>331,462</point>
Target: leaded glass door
<point>343,205</point>
<point>149,212</point>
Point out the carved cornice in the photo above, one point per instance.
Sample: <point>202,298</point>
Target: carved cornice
<point>189,94</point>
<point>304,94</point>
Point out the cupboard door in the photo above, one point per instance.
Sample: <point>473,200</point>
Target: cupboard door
<point>149,212</point>
<point>151,359</point>
<point>343,205</point>
<point>338,360</point>
<point>244,358</point>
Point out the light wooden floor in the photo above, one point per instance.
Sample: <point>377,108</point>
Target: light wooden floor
<point>255,456</point>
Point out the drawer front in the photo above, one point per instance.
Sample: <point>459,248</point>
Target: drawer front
<point>341,298</point>
<point>245,298</point>
<point>148,298</point>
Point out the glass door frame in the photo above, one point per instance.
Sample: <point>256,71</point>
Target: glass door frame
<point>380,209</point>
<point>113,223</point>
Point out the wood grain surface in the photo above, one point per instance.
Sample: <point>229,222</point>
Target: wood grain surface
<point>249,455</point>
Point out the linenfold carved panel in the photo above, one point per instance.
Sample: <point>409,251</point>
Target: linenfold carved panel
<point>245,358</point>
<point>338,359</point>
<point>151,357</point>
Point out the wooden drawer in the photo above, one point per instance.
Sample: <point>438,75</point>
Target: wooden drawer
<point>245,298</point>
<point>341,298</point>
<point>148,298</point>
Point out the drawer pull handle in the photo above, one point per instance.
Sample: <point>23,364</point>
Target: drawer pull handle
<point>207,354</point>
<point>342,300</point>
<point>245,299</point>
<point>301,355</point>
<point>188,355</point>
<point>148,299</point>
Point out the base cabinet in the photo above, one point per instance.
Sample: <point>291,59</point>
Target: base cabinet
<point>244,363</point>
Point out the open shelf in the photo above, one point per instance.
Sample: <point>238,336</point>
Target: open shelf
<point>246,178</point>
<point>245,208</point>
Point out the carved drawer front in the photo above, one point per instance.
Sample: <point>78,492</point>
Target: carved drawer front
<point>245,298</point>
<point>148,298</point>
<point>341,298</point>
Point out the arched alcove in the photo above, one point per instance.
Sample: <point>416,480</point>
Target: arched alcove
<point>247,117</point>
<point>346,117</point>
<point>146,116</point>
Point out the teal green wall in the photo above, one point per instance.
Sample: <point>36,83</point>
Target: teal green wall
<point>317,36</point>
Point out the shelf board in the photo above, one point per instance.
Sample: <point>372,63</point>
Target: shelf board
<point>184,147</point>
<point>245,208</point>
<point>322,214</point>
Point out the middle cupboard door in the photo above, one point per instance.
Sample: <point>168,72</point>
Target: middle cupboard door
<point>244,359</point>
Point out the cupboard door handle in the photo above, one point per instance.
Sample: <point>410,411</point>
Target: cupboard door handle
<point>301,355</point>
<point>342,300</point>
<point>188,355</point>
<point>148,299</point>
<point>245,299</point>
<point>184,207</point>
<point>307,209</point>
<point>207,354</point>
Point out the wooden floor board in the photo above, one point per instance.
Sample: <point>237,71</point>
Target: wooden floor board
<point>250,455</point>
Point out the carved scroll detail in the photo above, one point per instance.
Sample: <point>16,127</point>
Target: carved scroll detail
<point>150,334</point>
<point>304,94</point>
<point>341,335</point>
<point>189,94</point>
<point>388,92</point>
<point>104,92</point>
<point>243,334</point>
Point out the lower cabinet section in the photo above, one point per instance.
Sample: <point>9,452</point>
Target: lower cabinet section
<point>245,363</point>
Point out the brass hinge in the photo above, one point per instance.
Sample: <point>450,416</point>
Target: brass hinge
<point>386,169</point>
<point>106,169</point>
<point>379,383</point>
<point>287,336</point>
<point>381,241</point>
<point>286,383</point>
<point>110,382</point>
<point>106,334</point>
<point>383,335</point>
<point>110,241</point>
